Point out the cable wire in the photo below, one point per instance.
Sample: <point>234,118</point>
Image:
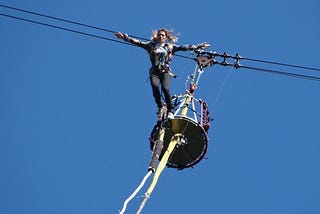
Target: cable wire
<point>221,89</point>
<point>282,64</point>
<point>186,57</point>
<point>71,22</point>
<point>65,29</point>
<point>64,20</point>
<point>282,73</point>
<point>77,23</point>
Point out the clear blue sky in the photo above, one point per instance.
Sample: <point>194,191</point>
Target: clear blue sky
<point>76,111</point>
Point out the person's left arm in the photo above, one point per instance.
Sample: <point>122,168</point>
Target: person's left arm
<point>203,45</point>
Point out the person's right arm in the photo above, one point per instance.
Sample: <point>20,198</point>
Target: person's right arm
<point>131,40</point>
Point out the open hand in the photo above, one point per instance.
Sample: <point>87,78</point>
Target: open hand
<point>203,45</point>
<point>119,35</point>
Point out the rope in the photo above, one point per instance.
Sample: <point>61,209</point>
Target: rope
<point>160,168</point>
<point>135,192</point>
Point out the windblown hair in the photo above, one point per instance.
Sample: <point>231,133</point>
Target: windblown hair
<point>169,34</point>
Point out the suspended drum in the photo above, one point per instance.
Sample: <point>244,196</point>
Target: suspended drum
<point>192,143</point>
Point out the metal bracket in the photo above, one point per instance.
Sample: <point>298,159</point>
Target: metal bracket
<point>204,61</point>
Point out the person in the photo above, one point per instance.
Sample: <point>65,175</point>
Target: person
<point>161,49</point>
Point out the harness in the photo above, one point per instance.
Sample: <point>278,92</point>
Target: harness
<point>160,56</point>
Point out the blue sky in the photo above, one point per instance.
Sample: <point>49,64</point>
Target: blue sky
<point>76,111</point>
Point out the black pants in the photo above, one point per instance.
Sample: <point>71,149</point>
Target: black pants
<point>156,78</point>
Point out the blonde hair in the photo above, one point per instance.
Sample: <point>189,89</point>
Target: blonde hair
<point>169,35</point>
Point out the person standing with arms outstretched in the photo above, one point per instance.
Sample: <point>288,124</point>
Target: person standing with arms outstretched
<point>161,49</point>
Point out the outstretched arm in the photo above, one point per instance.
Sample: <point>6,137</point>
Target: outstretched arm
<point>203,45</point>
<point>129,39</point>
